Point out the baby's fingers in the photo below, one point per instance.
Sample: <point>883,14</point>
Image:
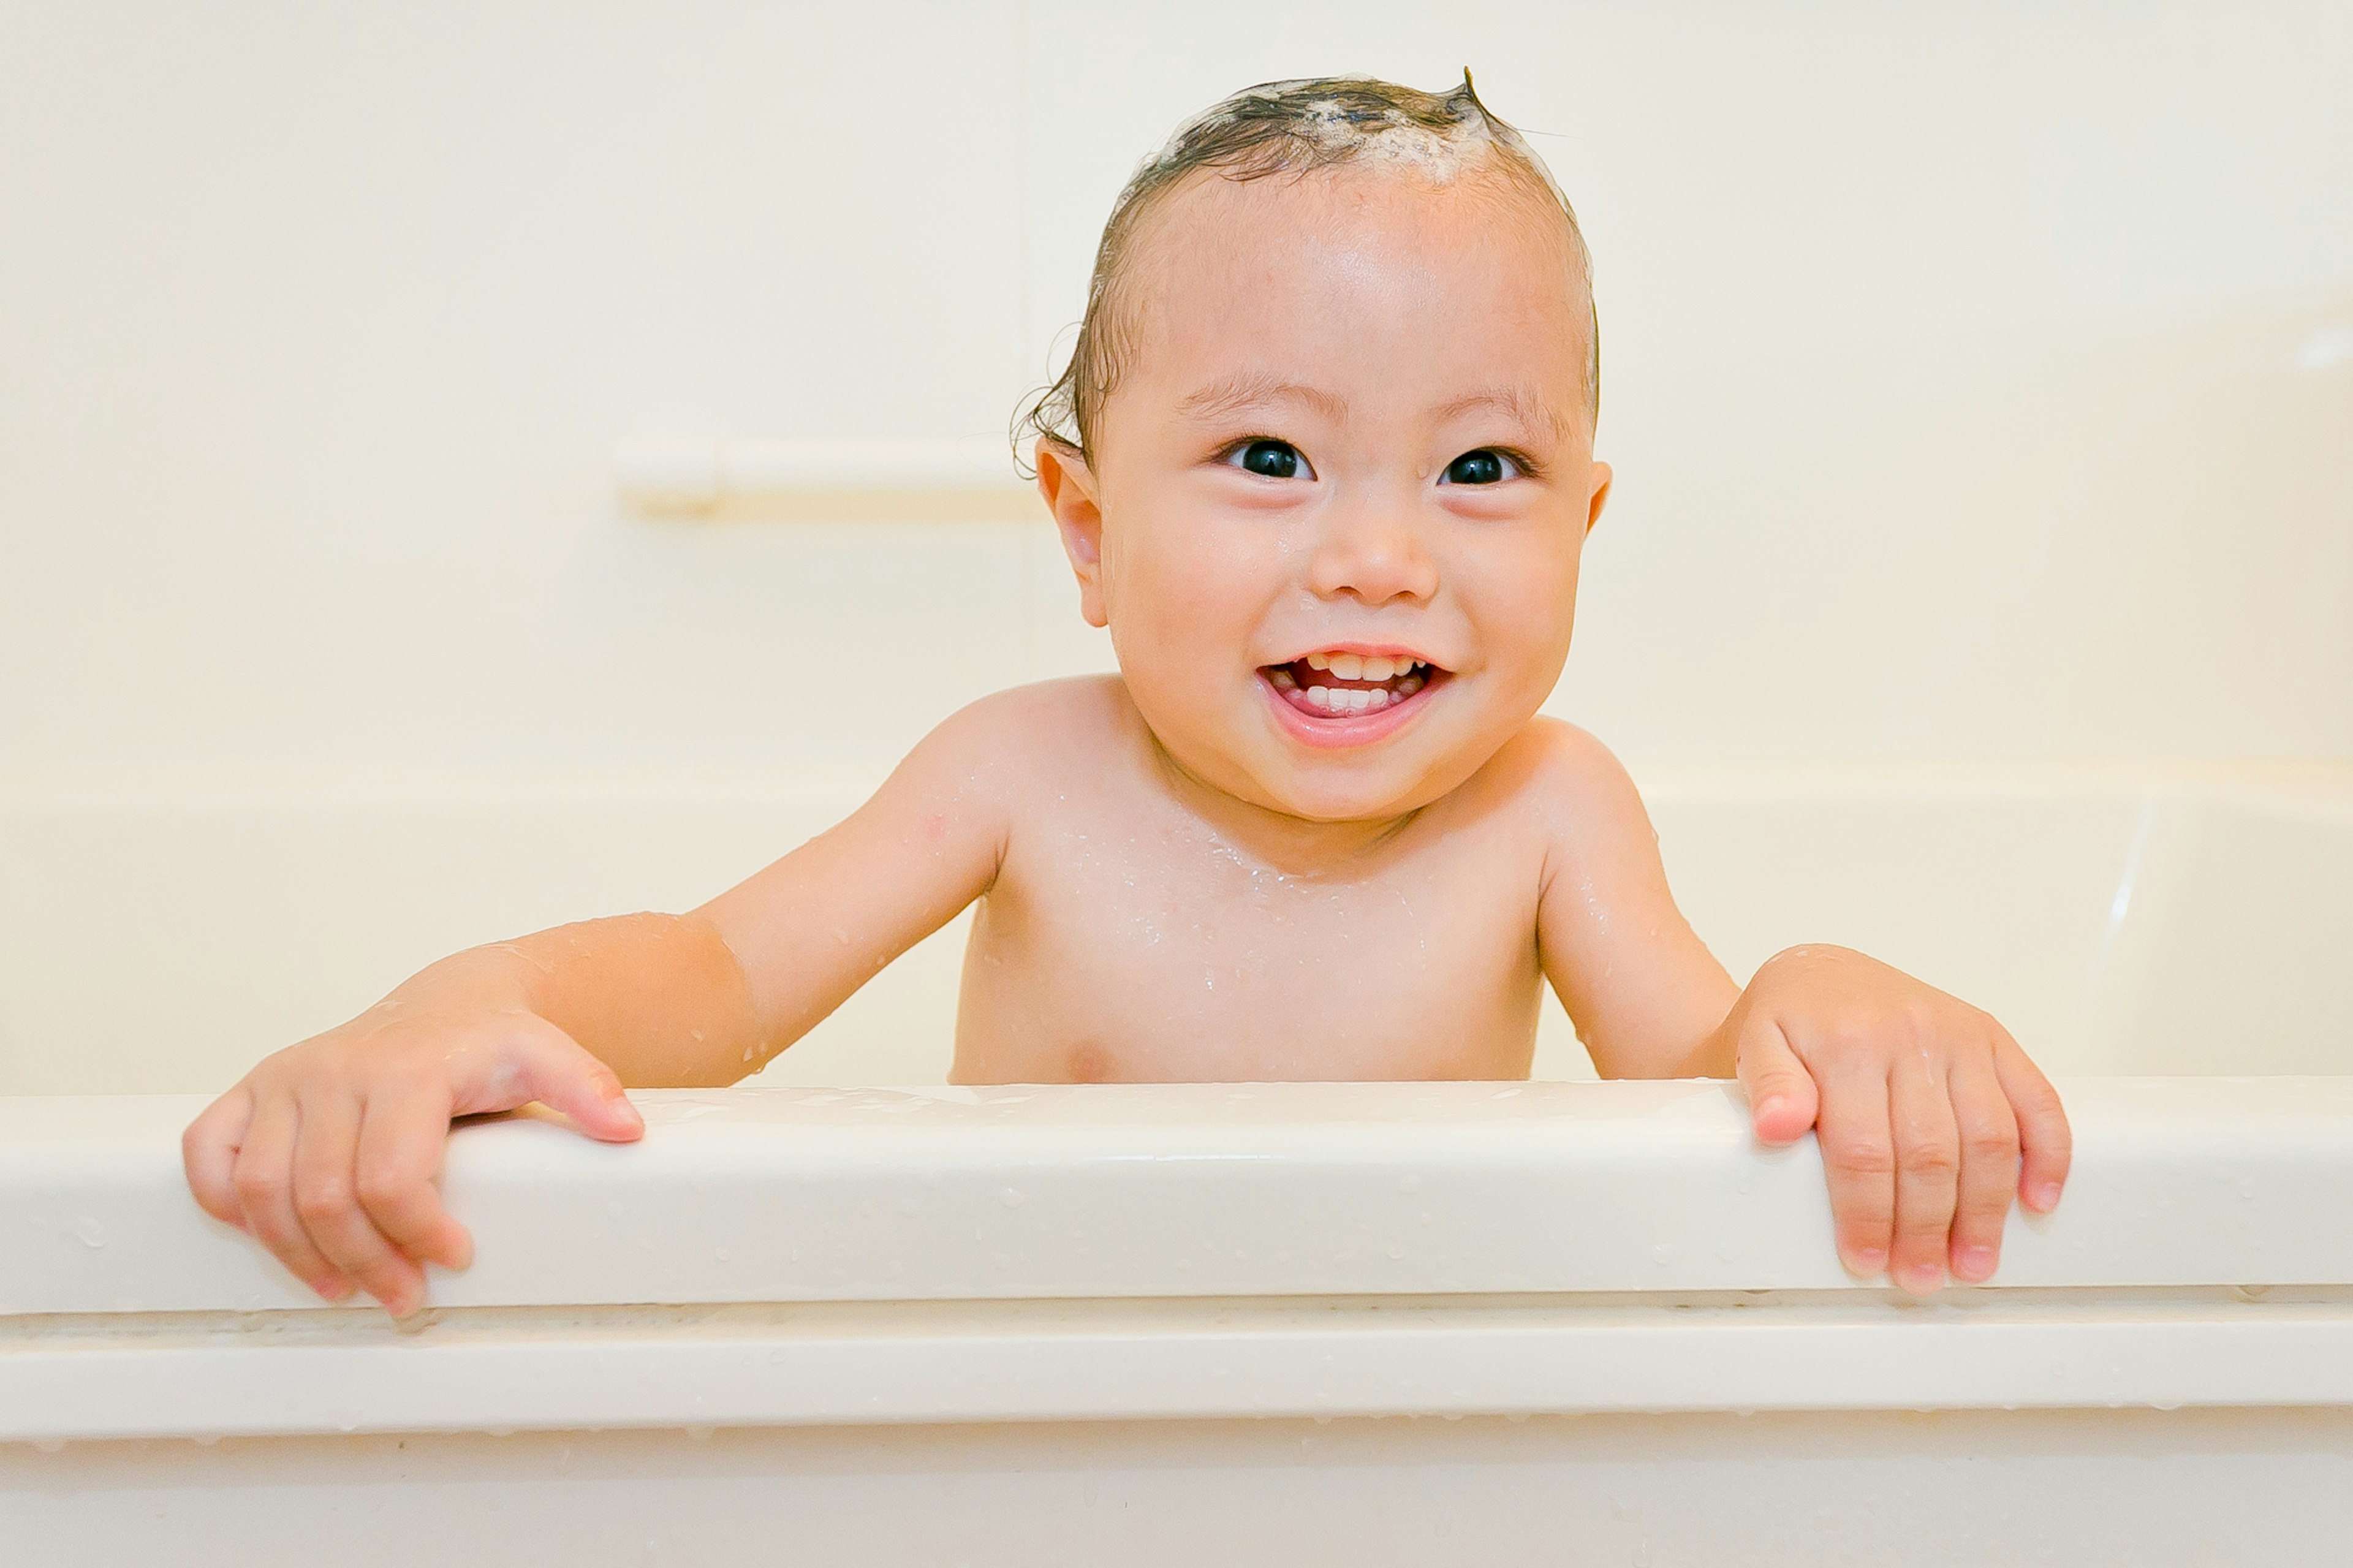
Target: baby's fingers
<point>1782,1100</point>
<point>264,1192</point>
<point>541,1062</point>
<point>208,1149</point>
<point>2046,1144</point>
<point>1859,1157</point>
<point>326,1196</point>
<point>1989,1168</point>
<point>1927,1177</point>
<point>402,1138</point>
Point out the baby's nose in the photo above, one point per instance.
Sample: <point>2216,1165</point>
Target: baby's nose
<point>1374,554</point>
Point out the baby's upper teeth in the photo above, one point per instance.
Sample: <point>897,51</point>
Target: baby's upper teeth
<point>1347,665</point>
<point>1378,669</point>
<point>1319,661</point>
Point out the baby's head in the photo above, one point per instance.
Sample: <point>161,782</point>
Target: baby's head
<point>1322,456</point>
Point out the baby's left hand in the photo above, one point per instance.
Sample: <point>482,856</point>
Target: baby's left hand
<point>1930,1114</point>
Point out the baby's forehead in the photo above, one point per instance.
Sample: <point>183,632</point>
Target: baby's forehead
<point>1364,294</point>
<point>1273,219</point>
<point>1219,243</point>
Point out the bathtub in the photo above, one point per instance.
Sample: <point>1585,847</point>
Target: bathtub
<point>1559,1320</point>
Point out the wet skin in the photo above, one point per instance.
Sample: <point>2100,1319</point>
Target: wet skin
<point>1350,426</point>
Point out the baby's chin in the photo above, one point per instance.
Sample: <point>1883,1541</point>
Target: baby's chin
<point>1384,792</point>
<point>1380,782</point>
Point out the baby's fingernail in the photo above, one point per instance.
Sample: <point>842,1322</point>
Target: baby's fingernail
<point>1772,1107</point>
<point>1865,1261</point>
<point>2046,1196</point>
<point>333,1289</point>
<point>1921,1277</point>
<point>1974,1263</point>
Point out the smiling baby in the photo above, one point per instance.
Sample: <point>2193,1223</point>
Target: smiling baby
<point>1323,463</point>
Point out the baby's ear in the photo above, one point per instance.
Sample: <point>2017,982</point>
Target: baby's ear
<point>1601,477</point>
<point>1069,487</point>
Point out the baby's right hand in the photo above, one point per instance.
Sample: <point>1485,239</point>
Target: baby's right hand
<point>327,1152</point>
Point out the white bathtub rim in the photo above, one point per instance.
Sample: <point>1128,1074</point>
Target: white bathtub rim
<point>1173,1191</point>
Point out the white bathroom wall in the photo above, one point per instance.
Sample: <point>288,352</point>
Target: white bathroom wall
<point>1980,381</point>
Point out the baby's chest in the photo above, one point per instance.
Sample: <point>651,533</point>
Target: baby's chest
<point>1119,971</point>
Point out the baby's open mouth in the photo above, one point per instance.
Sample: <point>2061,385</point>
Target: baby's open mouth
<point>1343,685</point>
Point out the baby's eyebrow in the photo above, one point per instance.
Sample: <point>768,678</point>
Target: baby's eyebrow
<point>1527,407</point>
<point>1245,388</point>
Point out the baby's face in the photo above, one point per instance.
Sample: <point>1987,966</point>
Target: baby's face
<point>1342,483</point>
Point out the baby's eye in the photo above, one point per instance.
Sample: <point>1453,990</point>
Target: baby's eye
<point>1484,467</point>
<point>1269,459</point>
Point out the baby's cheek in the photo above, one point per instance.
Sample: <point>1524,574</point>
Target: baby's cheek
<point>1537,636</point>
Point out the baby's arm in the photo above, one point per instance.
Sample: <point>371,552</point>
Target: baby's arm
<point>1930,1116</point>
<point>327,1152</point>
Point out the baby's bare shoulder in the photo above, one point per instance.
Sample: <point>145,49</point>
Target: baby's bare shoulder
<point>1006,742</point>
<point>1562,776</point>
<point>1076,712</point>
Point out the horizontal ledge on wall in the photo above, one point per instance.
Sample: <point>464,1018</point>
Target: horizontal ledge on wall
<point>824,481</point>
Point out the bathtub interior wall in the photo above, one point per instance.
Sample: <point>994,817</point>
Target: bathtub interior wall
<point>2117,920</point>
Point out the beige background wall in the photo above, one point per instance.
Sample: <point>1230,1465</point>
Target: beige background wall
<point>1980,381</point>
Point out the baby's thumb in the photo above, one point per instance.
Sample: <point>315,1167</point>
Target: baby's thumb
<point>561,1075</point>
<point>1782,1099</point>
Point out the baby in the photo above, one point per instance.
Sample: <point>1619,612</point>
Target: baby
<point>1323,463</point>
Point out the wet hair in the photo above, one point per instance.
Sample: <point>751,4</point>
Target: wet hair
<point>1291,128</point>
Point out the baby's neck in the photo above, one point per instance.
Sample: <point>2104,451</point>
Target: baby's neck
<point>1290,846</point>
